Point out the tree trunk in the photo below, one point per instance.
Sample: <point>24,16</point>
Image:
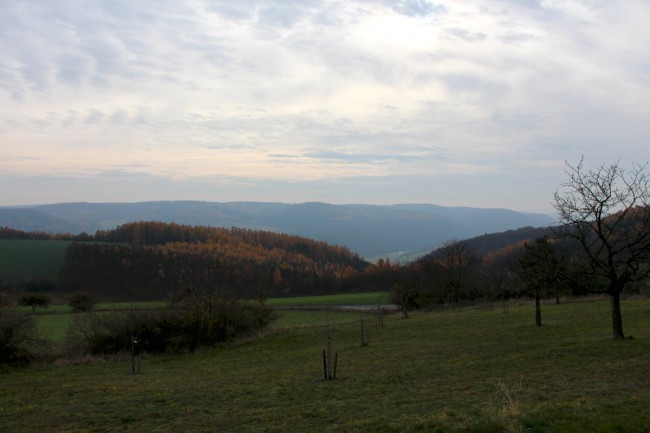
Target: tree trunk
<point>617,319</point>
<point>538,311</point>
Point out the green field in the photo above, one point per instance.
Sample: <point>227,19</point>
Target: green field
<point>27,260</point>
<point>370,298</point>
<point>53,321</point>
<point>54,326</point>
<point>468,370</point>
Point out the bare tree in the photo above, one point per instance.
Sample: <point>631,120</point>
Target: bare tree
<point>540,269</point>
<point>606,210</point>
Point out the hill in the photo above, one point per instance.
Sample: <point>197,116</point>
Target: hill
<point>34,220</point>
<point>369,230</point>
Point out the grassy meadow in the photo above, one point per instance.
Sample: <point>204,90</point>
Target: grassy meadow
<point>54,320</point>
<point>466,370</point>
<point>370,298</point>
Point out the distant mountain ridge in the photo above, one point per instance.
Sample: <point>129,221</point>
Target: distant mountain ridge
<point>370,230</point>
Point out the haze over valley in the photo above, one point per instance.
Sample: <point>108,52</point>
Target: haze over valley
<point>369,230</point>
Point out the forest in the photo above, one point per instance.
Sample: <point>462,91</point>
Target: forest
<point>151,260</point>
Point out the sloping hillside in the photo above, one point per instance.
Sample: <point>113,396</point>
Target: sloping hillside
<point>370,230</point>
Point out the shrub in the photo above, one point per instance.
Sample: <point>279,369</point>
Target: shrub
<point>81,302</point>
<point>19,339</point>
<point>108,333</point>
<point>172,329</point>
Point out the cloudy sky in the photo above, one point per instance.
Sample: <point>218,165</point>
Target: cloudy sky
<point>470,103</point>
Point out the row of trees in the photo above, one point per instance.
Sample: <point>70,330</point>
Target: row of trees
<point>602,245</point>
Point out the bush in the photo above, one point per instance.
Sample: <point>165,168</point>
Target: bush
<point>19,339</point>
<point>81,302</point>
<point>155,331</point>
<point>172,329</point>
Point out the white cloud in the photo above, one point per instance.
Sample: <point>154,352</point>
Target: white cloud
<point>323,90</point>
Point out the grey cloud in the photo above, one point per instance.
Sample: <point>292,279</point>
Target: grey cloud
<point>70,118</point>
<point>239,10</point>
<point>282,15</point>
<point>514,119</point>
<point>119,117</point>
<point>516,38</point>
<point>359,157</point>
<point>466,82</point>
<point>283,156</point>
<point>414,8</point>
<point>465,34</point>
<point>97,42</point>
<point>93,117</point>
<point>35,73</point>
<point>529,4</point>
<point>72,70</point>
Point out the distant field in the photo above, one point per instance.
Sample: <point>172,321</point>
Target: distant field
<point>55,326</point>
<point>456,371</point>
<point>371,298</point>
<point>55,320</point>
<point>31,259</point>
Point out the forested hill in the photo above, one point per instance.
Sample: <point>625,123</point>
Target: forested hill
<point>492,242</point>
<point>370,230</point>
<point>154,260</point>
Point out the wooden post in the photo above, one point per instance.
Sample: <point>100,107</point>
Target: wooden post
<point>324,365</point>
<point>135,356</point>
<point>132,355</point>
<point>336,361</point>
<point>329,357</point>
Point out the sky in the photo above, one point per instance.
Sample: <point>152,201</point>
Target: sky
<point>456,103</point>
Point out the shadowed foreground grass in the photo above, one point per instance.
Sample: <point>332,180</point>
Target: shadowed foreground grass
<point>454,371</point>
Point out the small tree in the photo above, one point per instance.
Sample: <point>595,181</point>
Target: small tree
<point>34,300</point>
<point>541,270</point>
<point>404,295</point>
<point>607,212</point>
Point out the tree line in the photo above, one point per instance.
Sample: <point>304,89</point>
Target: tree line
<point>600,245</point>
